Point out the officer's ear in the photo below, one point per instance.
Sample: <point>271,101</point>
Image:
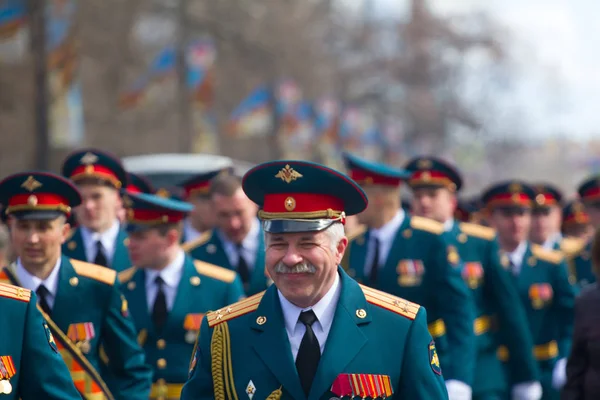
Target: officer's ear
<point>65,228</point>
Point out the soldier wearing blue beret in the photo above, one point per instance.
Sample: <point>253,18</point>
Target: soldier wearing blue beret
<point>435,184</point>
<point>100,238</point>
<point>81,302</point>
<point>31,367</point>
<point>168,292</point>
<point>409,256</point>
<point>316,333</point>
<point>540,276</point>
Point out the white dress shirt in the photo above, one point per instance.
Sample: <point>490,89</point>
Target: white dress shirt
<point>107,238</point>
<point>386,235</point>
<point>249,246</point>
<point>32,283</point>
<point>552,241</point>
<point>189,232</point>
<point>448,225</point>
<point>516,257</point>
<point>324,310</point>
<point>171,275</point>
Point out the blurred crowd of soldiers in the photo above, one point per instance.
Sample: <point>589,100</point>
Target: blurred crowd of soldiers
<point>498,275</point>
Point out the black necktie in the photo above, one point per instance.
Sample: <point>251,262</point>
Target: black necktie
<point>375,264</point>
<point>242,267</point>
<point>43,293</point>
<point>159,311</point>
<point>100,256</point>
<point>309,352</point>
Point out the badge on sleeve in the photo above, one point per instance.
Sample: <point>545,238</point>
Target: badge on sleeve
<point>124,307</point>
<point>434,361</point>
<point>50,338</point>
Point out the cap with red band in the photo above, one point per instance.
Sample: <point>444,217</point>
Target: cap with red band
<point>510,194</point>
<point>366,172</point>
<point>574,214</point>
<point>589,190</point>
<point>300,196</point>
<point>433,172</point>
<point>200,184</point>
<point>138,184</point>
<point>95,164</point>
<point>146,210</point>
<point>546,196</point>
<point>38,195</point>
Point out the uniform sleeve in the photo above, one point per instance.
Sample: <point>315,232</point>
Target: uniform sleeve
<point>200,383</point>
<point>454,303</point>
<point>564,303</point>
<point>235,291</point>
<point>515,331</point>
<point>44,374</point>
<point>421,376</point>
<point>578,361</point>
<point>131,377</point>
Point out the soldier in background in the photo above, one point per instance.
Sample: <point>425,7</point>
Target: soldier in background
<point>576,221</point>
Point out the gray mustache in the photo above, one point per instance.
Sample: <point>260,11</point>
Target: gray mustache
<point>300,268</point>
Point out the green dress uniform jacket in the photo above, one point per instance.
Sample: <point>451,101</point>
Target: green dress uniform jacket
<point>378,344</point>
<point>31,367</point>
<point>74,248</point>
<point>203,287</point>
<point>549,301</point>
<point>581,273</point>
<point>91,311</point>
<point>496,301</point>
<point>424,268</point>
<point>209,248</point>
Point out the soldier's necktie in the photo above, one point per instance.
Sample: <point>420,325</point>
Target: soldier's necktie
<point>242,267</point>
<point>100,256</point>
<point>43,293</point>
<point>309,352</point>
<point>375,264</point>
<point>159,311</point>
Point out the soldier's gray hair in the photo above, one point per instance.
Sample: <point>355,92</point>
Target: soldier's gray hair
<point>335,233</point>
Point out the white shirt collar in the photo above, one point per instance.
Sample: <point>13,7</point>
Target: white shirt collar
<point>389,229</point>
<point>324,309</point>
<point>107,238</point>
<point>32,282</point>
<point>552,240</point>
<point>516,256</point>
<point>448,225</point>
<point>171,274</point>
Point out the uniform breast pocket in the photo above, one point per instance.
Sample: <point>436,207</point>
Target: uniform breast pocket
<point>540,295</point>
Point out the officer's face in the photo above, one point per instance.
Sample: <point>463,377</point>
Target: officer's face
<point>434,203</point>
<point>203,215</point>
<point>148,248</point>
<point>38,242</point>
<point>544,223</point>
<point>512,224</point>
<point>235,215</point>
<point>303,265</point>
<point>99,207</point>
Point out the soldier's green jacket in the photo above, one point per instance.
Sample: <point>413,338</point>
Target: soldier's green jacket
<point>74,248</point>
<point>549,301</point>
<point>496,300</point>
<point>203,287</point>
<point>40,372</point>
<point>424,268</point>
<point>581,273</point>
<point>88,293</point>
<point>209,248</point>
<point>372,333</point>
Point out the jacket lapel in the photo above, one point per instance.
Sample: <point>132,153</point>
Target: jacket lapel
<point>67,294</point>
<point>272,335</point>
<point>121,256</point>
<point>183,296</point>
<point>74,247</point>
<point>258,281</point>
<point>358,255</point>
<point>398,246</point>
<point>345,340</point>
<point>138,303</point>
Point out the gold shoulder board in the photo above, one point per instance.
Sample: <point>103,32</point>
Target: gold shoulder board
<point>391,303</point>
<point>426,224</point>
<point>95,272</point>
<point>551,256</point>
<point>356,233</point>
<point>15,292</point>
<point>127,274</point>
<point>214,271</point>
<point>571,246</point>
<point>235,310</point>
<point>479,231</point>
<point>199,241</point>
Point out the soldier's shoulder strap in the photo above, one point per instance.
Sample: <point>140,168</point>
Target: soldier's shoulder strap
<point>426,224</point>
<point>214,271</point>
<point>234,310</point>
<point>360,230</point>
<point>126,275</point>
<point>551,256</point>
<point>14,292</point>
<point>86,378</point>
<point>571,246</point>
<point>93,271</point>
<point>479,231</point>
<point>391,303</point>
<point>199,241</point>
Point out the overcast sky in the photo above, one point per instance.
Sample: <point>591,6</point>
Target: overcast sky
<point>553,38</point>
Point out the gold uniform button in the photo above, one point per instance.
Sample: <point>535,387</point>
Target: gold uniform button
<point>161,363</point>
<point>161,344</point>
